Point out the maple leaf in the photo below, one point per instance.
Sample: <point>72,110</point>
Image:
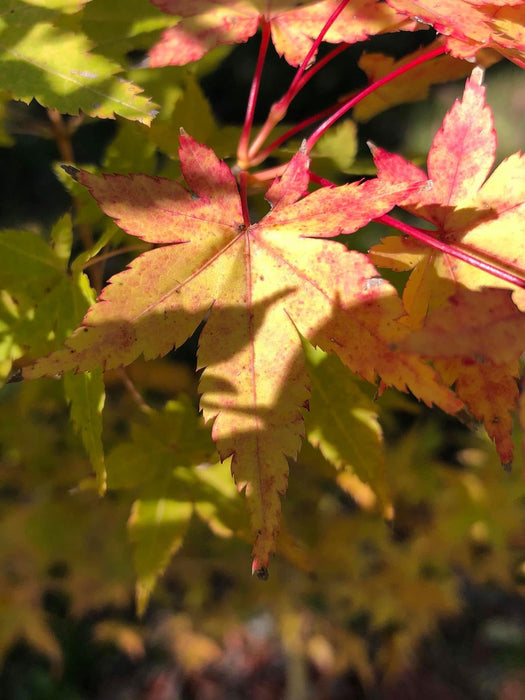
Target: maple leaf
<point>42,58</point>
<point>521,413</point>
<point>41,294</point>
<point>122,26</point>
<point>490,393</point>
<point>343,424</point>
<point>294,26</point>
<point>256,285</point>
<point>471,25</point>
<point>477,340</point>
<point>414,84</point>
<point>486,326</point>
<point>475,213</point>
<point>470,212</point>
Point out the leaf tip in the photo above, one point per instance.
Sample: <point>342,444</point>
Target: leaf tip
<point>371,145</point>
<point>72,171</point>
<point>303,149</point>
<point>182,131</point>
<point>477,75</point>
<point>260,572</point>
<point>507,467</point>
<point>17,376</point>
<point>388,513</point>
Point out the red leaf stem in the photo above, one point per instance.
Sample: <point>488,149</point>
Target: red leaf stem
<point>266,152</point>
<point>312,140</point>
<point>468,257</point>
<point>279,108</point>
<point>321,63</point>
<point>244,198</point>
<point>242,149</point>
<point>313,49</point>
<point>269,174</point>
<point>320,180</point>
<point>430,240</point>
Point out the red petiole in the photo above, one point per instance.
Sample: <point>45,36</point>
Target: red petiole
<point>313,138</point>
<point>427,238</point>
<point>243,190</point>
<point>279,108</point>
<point>430,240</point>
<point>335,112</point>
<point>242,149</point>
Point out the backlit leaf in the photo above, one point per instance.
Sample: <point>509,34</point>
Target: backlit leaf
<point>482,335</point>
<point>468,210</point>
<point>43,58</point>
<point>45,303</point>
<point>342,423</point>
<point>156,530</point>
<point>414,84</point>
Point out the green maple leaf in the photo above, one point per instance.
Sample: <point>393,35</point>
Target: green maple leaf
<point>471,25</point>
<point>256,285</point>
<point>41,304</point>
<point>169,461</point>
<point>45,56</point>
<point>343,424</point>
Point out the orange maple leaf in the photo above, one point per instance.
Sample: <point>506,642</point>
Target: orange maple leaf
<point>414,84</point>
<point>470,25</point>
<point>477,340</point>
<point>485,217</point>
<point>294,26</point>
<point>255,285</point>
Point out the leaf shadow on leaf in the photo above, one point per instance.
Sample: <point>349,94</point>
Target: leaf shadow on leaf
<point>118,342</point>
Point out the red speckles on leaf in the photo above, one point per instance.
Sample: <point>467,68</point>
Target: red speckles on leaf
<point>476,341</point>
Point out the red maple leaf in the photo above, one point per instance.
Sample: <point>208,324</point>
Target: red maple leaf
<point>471,25</point>
<point>478,214</point>
<point>256,285</point>
<point>294,26</point>
<point>477,340</point>
<point>469,209</point>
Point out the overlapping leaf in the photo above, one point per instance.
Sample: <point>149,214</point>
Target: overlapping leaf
<point>484,216</point>
<point>45,301</point>
<point>343,424</point>
<point>170,462</point>
<point>477,341</point>
<point>476,214</point>
<point>121,26</point>
<point>258,284</point>
<point>470,25</point>
<point>294,25</point>
<point>415,83</point>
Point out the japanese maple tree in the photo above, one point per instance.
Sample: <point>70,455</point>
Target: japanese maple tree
<point>268,289</point>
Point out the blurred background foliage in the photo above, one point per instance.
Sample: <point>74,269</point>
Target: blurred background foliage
<point>358,605</point>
